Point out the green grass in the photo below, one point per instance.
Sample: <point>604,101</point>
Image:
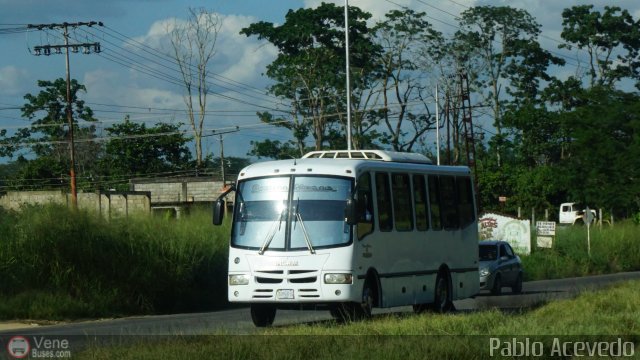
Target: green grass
<point>612,313</point>
<point>613,249</point>
<point>56,264</point>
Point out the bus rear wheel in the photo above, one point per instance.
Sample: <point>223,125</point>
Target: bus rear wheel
<point>263,314</point>
<point>442,299</point>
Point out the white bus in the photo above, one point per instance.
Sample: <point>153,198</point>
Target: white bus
<point>351,230</point>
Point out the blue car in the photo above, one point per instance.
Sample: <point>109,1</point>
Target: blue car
<point>499,267</point>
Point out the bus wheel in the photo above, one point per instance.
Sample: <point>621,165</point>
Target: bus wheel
<point>263,314</point>
<point>353,311</point>
<point>442,302</point>
<point>367,300</point>
<point>346,312</point>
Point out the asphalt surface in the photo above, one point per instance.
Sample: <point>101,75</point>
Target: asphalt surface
<point>238,321</point>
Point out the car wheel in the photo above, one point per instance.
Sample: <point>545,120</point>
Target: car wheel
<point>517,287</point>
<point>497,286</point>
<point>263,314</point>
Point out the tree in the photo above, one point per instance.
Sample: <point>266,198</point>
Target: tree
<point>604,154</point>
<point>603,35</point>
<point>273,149</point>
<point>49,131</point>
<point>194,44</point>
<point>48,136</point>
<point>506,65</point>
<point>497,40</point>
<point>135,150</point>
<point>401,35</point>
<point>309,70</point>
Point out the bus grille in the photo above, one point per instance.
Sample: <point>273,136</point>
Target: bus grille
<point>271,277</point>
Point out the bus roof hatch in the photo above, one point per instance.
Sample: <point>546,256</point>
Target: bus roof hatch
<point>380,155</point>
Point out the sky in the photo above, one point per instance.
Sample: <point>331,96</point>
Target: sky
<point>134,31</point>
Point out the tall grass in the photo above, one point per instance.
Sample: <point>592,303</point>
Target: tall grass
<point>59,263</point>
<point>56,263</point>
<point>613,249</point>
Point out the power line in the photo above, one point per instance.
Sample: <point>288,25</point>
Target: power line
<point>147,48</point>
<point>127,61</point>
<point>163,60</point>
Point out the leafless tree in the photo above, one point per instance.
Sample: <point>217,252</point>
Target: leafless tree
<point>194,45</point>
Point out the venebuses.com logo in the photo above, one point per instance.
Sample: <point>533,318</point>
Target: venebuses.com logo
<point>18,347</point>
<point>38,347</point>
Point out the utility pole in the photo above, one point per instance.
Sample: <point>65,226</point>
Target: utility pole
<point>46,50</point>
<point>346,41</point>
<point>437,126</point>
<point>222,172</point>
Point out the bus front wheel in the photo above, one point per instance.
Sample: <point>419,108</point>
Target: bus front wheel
<point>353,311</point>
<point>263,314</point>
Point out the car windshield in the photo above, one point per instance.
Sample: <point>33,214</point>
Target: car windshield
<point>488,252</point>
<point>273,213</point>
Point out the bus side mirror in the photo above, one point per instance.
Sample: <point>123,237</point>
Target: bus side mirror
<point>218,211</point>
<point>350,212</point>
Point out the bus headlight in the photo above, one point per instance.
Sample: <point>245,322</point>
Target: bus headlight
<point>338,278</point>
<point>239,279</point>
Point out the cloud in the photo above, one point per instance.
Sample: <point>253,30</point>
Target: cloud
<point>245,58</point>
<point>114,87</point>
<point>14,81</point>
<point>237,59</point>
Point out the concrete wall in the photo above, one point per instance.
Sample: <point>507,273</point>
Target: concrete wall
<point>109,204</point>
<point>177,191</point>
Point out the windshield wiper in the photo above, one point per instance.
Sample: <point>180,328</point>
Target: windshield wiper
<point>304,229</point>
<point>272,233</point>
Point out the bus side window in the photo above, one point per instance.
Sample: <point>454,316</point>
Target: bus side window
<point>383,193</point>
<point>364,206</point>
<point>434,202</point>
<point>450,219</point>
<point>465,201</point>
<point>420,200</point>
<point>402,207</point>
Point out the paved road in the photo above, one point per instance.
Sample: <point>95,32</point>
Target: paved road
<point>238,321</point>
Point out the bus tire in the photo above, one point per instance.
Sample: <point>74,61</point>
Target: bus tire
<point>347,312</point>
<point>353,311</point>
<point>442,297</point>
<point>368,298</point>
<point>263,315</point>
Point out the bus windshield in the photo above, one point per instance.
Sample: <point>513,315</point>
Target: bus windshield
<point>291,213</point>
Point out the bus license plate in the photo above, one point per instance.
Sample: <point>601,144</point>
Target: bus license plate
<point>284,294</point>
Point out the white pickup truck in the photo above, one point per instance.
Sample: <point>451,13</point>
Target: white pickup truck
<point>572,213</point>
